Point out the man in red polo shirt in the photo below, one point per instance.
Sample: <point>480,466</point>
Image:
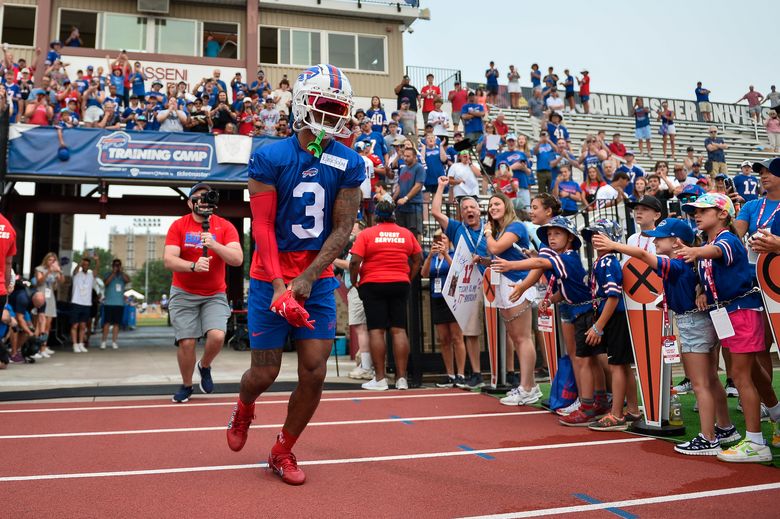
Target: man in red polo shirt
<point>458,97</point>
<point>198,305</point>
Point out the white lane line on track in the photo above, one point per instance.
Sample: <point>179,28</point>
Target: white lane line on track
<point>371,459</point>
<point>631,502</point>
<point>210,404</point>
<point>265,426</point>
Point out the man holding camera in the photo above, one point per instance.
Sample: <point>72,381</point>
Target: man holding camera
<point>114,302</point>
<point>197,248</point>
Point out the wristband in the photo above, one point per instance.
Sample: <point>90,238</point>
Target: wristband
<point>596,331</point>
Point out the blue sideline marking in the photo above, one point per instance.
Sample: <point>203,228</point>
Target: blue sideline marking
<point>617,511</point>
<point>405,422</point>
<point>480,454</point>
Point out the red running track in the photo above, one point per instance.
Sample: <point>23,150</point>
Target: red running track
<point>393,454</point>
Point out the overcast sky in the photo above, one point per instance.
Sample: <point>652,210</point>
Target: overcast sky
<point>659,48</point>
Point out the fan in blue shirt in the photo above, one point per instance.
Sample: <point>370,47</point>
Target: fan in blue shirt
<point>746,184</point>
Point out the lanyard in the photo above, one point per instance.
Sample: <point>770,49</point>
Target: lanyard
<point>471,240</point>
<point>548,292</point>
<point>437,265</point>
<point>593,290</point>
<point>708,277</point>
<point>647,243</point>
<point>761,214</point>
<point>667,325</point>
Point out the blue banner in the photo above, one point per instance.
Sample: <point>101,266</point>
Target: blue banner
<point>106,154</point>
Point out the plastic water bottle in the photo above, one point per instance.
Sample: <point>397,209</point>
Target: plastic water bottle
<point>675,410</point>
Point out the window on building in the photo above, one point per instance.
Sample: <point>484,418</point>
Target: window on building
<point>371,53</point>
<point>78,28</point>
<point>299,47</point>
<point>341,50</point>
<point>220,40</point>
<point>18,25</point>
<point>124,32</point>
<point>173,36</point>
<point>269,45</point>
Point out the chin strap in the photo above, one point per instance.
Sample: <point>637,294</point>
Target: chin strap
<point>315,147</point>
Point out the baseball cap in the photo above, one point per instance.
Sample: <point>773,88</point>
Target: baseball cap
<point>629,152</point>
<point>709,200</point>
<point>510,137</point>
<point>773,165</point>
<point>646,201</point>
<point>559,114</point>
<point>703,180</point>
<point>360,145</point>
<point>405,100</point>
<point>692,189</point>
<point>603,226</point>
<point>746,163</point>
<point>90,67</point>
<point>38,92</point>
<point>25,71</point>
<point>248,101</point>
<point>360,111</point>
<point>269,99</point>
<point>197,187</point>
<point>721,176</point>
<point>672,228</point>
<point>392,122</point>
<point>155,82</point>
<point>55,42</point>
<point>66,81</point>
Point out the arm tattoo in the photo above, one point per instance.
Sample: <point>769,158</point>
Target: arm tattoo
<point>267,357</point>
<point>345,211</point>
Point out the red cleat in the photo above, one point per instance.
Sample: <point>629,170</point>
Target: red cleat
<point>238,426</point>
<point>286,466</point>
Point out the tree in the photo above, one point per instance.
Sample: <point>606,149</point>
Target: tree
<point>159,280</point>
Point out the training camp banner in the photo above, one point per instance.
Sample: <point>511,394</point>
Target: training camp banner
<point>107,154</point>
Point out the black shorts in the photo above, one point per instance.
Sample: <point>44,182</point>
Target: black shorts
<point>582,324</point>
<point>3,301</point>
<point>617,340</point>
<point>440,311</point>
<point>112,314</point>
<point>79,313</point>
<point>568,95</point>
<point>492,90</point>
<point>385,304</point>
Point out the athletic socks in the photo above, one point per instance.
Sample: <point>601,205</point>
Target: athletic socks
<point>755,437</point>
<point>284,443</point>
<point>774,412</point>
<point>600,396</point>
<point>587,406</point>
<point>365,360</point>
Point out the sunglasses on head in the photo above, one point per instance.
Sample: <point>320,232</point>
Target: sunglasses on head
<point>687,199</point>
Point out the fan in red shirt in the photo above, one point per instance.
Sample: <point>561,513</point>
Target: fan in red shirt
<point>504,181</point>
<point>7,253</point>
<point>429,93</point>
<point>585,91</point>
<point>198,305</point>
<point>458,97</point>
<point>617,147</point>
<point>386,257</point>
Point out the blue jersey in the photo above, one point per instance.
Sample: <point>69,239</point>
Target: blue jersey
<point>52,56</point>
<point>759,213</point>
<point>556,132</point>
<point>718,155</point>
<point>633,172</point>
<point>378,119</point>
<point>731,274</point>
<point>679,279</point>
<point>571,187</point>
<point>306,188</point>
<point>606,280</point>
<point>137,81</point>
<point>746,186</point>
<point>473,125</point>
<point>570,278</point>
<point>439,270</point>
<point>474,238</point>
<point>509,158</point>
<point>775,228</point>
<point>433,166</point>
<point>536,78</point>
<point>702,96</point>
<point>642,117</point>
<point>513,252</point>
<point>130,125</point>
<point>119,83</point>
<point>545,153</point>
<point>377,141</point>
<point>407,178</point>
<point>591,160</point>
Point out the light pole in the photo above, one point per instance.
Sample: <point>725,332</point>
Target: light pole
<point>147,223</point>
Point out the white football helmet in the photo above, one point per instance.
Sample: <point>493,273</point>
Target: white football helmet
<point>322,101</point>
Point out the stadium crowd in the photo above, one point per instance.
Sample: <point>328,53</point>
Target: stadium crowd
<point>418,178</point>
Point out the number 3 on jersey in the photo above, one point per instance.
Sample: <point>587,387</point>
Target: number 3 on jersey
<point>314,210</point>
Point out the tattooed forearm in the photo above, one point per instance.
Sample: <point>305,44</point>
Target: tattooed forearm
<point>267,357</point>
<point>345,211</point>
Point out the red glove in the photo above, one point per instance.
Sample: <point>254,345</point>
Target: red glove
<point>292,310</point>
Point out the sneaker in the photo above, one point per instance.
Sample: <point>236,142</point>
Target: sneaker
<point>729,435</point>
<point>536,391</point>
<point>49,352</point>
<point>460,381</point>
<point>577,418</point>
<point>76,347</point>
<point>401,384</point>
<point>746,452</point>
<point>731,389</point>
<point>446,381</point>
<point>631,418</point>
<point>542,374</point>
<point>764,413</point>
<point>17,359</point>
<point>776,434</point>
<point>286,467</point>
<point>475,381</point>
<point>519,396</point>
<point>114,346</point>
<point>206,384</point>
<point>566,411</point>
<point>38,356</point>
<point>238,427</point>
<point>373,385</point>
<point>83,348</point>
<point>699,446</point>
<point>361,374</point>
<point>182,395</point>
<point>609,422</point>
<point>683,387</point>
<point>102,345</point>
<point>46,353</point>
